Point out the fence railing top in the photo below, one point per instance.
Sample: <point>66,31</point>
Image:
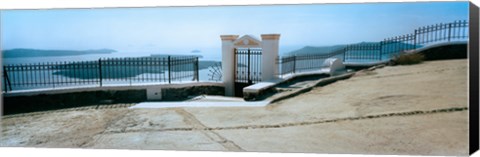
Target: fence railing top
<point>119,59</point>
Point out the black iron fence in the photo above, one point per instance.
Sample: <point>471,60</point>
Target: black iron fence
<point>301,63</point>
<point>371,52</point>
<point>103,71</point>
<point>395,45</point>
<point>362,51</point>
<point>442,32</point>
<point>423,36</point>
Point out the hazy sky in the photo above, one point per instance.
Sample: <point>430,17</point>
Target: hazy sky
<point>156,29</point>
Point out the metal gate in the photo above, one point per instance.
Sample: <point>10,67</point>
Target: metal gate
<point>247,68</point>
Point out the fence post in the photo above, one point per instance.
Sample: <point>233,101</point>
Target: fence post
<point>381,51</point>
<point>415,39</point>
<point>294,63</point>
<point>100,77</point>
<point>196,69</point>
<point>249,78</point>
<point>169,71</point>
<point>449,31</point>
<point>6,80</point>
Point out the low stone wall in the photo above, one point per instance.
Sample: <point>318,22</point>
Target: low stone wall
<point>458,51</point>
<point>182,93</point>
<point>21,103</point>
<point>41,102</point>
<point>260,95</point>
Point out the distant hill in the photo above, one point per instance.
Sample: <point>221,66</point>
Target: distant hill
<point>312,50</point>
<point>16,53</point>
<point>309,50</point>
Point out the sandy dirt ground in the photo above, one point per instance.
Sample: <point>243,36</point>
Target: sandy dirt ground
<point>417,109</point>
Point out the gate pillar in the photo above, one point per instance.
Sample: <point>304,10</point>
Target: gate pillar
<point>270,47</point>
<point>228,60</point>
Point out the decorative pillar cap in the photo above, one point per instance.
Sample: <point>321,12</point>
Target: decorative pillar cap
<point>270,36</point>
<point>229,37</point>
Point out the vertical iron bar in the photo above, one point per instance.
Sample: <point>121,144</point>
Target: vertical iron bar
<point>235,65</point>
<point>415,39</point>
<point>45,73</point>
<point>169,71</point>
<point>64,68</point>
<point>146,69</point>
<point>29,74</point>
<point>6,80</point>
<point>294,63</point>
<point>100,77</point>
<point>397,45</point>
<point>164,68</point>
<point>50,71</point>
<point>456,29</point>
<point>142,64</point>
<point>75,72</point>
<point>36,74</point>
<point>114,66</point>
<point>125,67</point>
<point>380,51</point>
<point>196,70</point>
<point>22,74</point>
<point>449,31</point>
<point>150,73</point>
<point>248,66</point>
<point>155,71</point>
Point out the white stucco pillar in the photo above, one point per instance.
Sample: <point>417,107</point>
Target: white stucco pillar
<point>228,61</point>
<point>270,47</point>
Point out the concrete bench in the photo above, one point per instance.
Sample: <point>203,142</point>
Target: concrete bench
<point>331,66</point>
<point>254,91</point>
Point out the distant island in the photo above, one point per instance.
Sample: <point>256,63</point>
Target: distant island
<point>314,50</point>
<point>196,51</point>
<point>17,53</point>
